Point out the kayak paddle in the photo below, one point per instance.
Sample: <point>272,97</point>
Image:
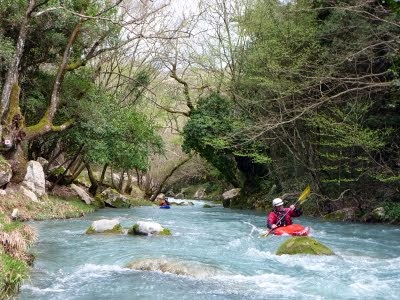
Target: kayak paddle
<point>303,197</point>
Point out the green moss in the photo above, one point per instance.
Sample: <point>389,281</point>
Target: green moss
<point>90,230</point>
<point>39,127</point>
<point>207,206</point>
<point>134,229</point>
<point>303,245</point>
<point>166,231</point>
<point>57,171</point>
<point>99,202</point>
<point>117,229</point>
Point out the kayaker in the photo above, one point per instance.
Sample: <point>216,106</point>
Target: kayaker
<point>164,202</point>
<point>277,217</point>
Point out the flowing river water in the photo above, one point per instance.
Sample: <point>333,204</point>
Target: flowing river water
<point>213,253</point>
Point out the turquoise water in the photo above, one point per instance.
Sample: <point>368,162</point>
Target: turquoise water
<point>222,252</point>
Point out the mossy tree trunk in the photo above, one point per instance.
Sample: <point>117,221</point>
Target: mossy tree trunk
<point>14,134</point>
<point>14,146</point>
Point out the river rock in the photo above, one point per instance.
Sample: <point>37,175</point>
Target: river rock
<point>345,214</point>
<point>114,199</point>
<point>105,226</point>
<point>200,194</point>
<point>179,196</point>
<point>82,194</point>
<point>148,228</point>
<point>303,245</point>
<point>230,195</point>
<point>34,179</point>
<point>175,267</point>
<point>5,172</point>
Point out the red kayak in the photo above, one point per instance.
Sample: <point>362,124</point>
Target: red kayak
<point>294,229</point>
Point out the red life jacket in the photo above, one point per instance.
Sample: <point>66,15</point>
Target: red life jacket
<point>274,216</point>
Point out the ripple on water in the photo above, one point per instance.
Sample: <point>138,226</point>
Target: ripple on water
<point>71,265</point>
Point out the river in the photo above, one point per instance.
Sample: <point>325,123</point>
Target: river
<point>222,252</point>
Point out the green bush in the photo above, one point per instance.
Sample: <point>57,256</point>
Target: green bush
<point>392,212</point>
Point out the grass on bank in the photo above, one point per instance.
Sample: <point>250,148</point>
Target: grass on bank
<point>16,237</point>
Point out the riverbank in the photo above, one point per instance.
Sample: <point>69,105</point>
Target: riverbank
<point>17,237</point>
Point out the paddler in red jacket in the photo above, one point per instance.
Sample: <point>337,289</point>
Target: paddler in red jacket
<point>277,217</point>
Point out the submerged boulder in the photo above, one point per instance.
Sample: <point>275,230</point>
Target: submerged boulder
<point>105,226</point>
<point>148,228</point>
<point>184,268</point>
<point>303,245</point>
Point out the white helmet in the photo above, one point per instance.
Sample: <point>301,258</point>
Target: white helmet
<point>277,202</point>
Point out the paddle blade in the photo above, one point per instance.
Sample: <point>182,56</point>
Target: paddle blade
<point>304,195</point>
<point>265,234</point>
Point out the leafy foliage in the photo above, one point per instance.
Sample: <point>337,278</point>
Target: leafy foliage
<point>119,136</point>
<point>211,131</point>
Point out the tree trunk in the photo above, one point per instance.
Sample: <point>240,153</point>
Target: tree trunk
<point>121,182</point>
<point>77,172</point>
<point>94,184</point>
<point>154,196</point>
<point>12,73</point>
<point>112,179</point>
<point>128,188</point>
<point>66,170</point>
<point>103,173</point>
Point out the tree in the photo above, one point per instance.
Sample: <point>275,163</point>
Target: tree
<point>83,31</point>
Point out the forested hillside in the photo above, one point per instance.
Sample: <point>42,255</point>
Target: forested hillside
<point>273,94</point>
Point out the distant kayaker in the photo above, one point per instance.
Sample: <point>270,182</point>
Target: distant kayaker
<point>277,217</point>
<point>164,202</point>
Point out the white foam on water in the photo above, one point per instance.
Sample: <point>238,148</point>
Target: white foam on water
<point>269,283</point>
<point>370,285</point>
<point>73,232</point>
<point>234,243</point>
<point>256,253</point>
<point>37,290</point>
<point>88,271</point>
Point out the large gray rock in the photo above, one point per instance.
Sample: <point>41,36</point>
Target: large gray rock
<point>233,193</point>
<point>82,194</point>
<point>114,199</point>
<point>5,172</point>
<point>179,196</point>
<point>44,162</point>
<point>200,194</point>
<point>228,196</point>
<point>34,179</point>
<point>28,193</point>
